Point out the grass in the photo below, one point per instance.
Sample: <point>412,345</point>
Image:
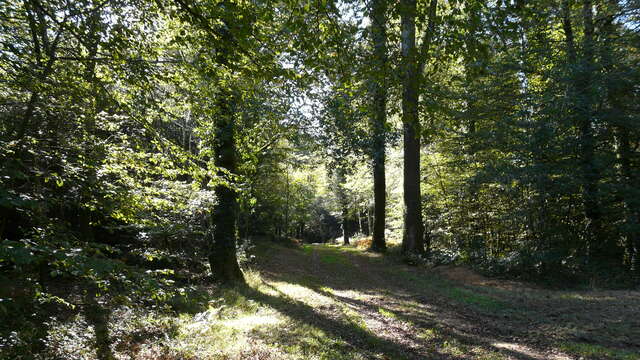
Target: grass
<point>593,351</point>
<point>466,296</point>
<point>428,334</point>
<point>239,325</point>
<point>306,305</point>
<point>387,313</point>
<point>307,249</point>
<point>334,259</point>
<point>453,347</point>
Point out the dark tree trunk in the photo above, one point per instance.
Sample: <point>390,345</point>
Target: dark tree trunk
<point>93,44</point>
<point>365,220</point>
<point>223,260</point>
<point>345,226</point>
<point>379,120</point>
<point>631,202</point>
<point>598,245</point>
<point>581,90</point>
<point>370,211</point>
<point>622,130</point>
<point>286,208</point>
<point>412,241</point>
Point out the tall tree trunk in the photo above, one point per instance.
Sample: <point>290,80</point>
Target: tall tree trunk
<point>286,208</point>
<point>223,260</point>
<point>92,45</point>
<point>345,225</point>
<point>582,91</point>
<point>379,120</point>
<point>370,211</point>
<point>631,202</point>
<point>344,204</point>
<point>623,145</point>
<point>412,241</point>
<point>597,242</point>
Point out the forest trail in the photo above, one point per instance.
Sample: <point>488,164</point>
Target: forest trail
<point>324,301</point>
<point>339,302</point>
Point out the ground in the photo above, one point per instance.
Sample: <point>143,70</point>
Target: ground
<point>334,302</point>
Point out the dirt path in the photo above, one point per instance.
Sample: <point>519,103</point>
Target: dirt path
<point>378,308</point>
<point>341,303</point>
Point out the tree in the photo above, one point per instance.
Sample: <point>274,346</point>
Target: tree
<point>412,241</point>
<point>222,258</point>
<point>379,121</point>
<point>582,91</point>
<point>412,68</point>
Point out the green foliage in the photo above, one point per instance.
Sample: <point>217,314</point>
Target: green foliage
<point>112,114</point>
<point>506,186</point>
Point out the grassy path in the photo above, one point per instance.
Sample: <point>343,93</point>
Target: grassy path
<point>330,302</point>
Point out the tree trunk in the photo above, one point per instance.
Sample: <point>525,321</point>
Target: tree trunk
<point>412,241</point>
<point>365,222</point>
<point>379,120</point>
<point>622,130</point>
<point>598,245</point>
<point>581,89</point>
<point>286,208</point>
<point>631,202</point>
<point>93,44</point>
<point>223,260</point>
<point>345,226</point>
<point>370,211</point>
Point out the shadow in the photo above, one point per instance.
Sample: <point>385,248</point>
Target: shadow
<point>396,286</point>
<point>428,322</point>
<point>355,337</point>
<point>98,317</point>
<point>364,341</point>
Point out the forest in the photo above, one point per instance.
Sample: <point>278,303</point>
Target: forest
<point>319,179</point>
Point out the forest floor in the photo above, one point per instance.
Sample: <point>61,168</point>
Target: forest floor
<point>335,302</point>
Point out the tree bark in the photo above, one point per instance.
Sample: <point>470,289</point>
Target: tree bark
<point>581,89</point>
<point>343,200</point>
<point>286,208</point>
<point>597,242</point>
<point>622,130</point>
<point>223,259</point>
<point>345,226</point>
<point>92,46</point>
<point>370,219</point>
<point>412,241</point>
<point>379,121</point>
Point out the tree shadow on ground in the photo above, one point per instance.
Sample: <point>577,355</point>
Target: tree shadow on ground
<point>98,317</point>
<point>521,323</point>
<point>358,338</point>
<point>536,317</point>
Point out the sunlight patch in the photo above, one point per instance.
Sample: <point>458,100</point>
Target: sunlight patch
<point>301,293</point>
<point>584,297</point>
<point>252,321</point>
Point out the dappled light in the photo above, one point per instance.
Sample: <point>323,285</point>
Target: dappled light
<point>319,179</point>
